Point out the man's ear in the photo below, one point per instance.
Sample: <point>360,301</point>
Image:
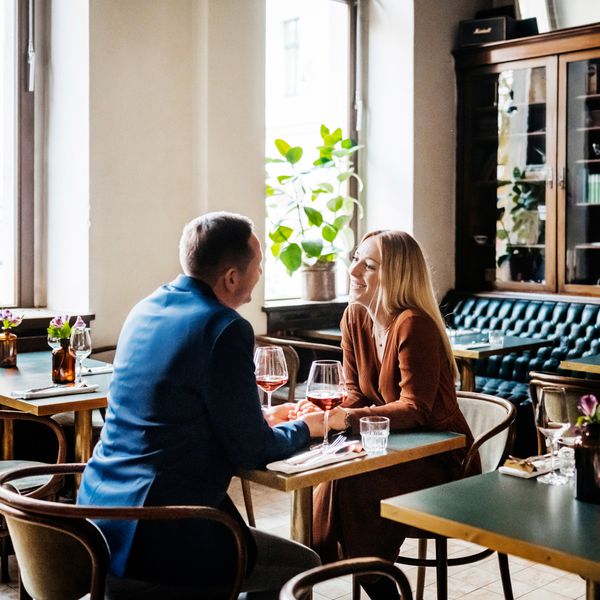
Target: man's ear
<point>230,279</point>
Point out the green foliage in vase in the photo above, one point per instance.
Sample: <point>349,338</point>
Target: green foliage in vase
<point>522,222</point>
<point>59,328</point>
<point>309,208</point>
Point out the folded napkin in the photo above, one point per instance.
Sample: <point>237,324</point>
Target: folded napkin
<point>526,467</point>
<point>313,462</point>
<point>97,370</point>
<point>470,345</point>
<point>59,390</point>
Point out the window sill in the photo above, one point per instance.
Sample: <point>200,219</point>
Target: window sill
<point>285,317</point>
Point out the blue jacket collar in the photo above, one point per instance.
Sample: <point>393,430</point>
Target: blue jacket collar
<point>191,284</point>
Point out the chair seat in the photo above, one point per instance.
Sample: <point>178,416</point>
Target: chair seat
<point>27,483</point>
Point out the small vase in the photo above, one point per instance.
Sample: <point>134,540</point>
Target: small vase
<point>587,464</point>
<point>8,349</point>
<point>63,363</point>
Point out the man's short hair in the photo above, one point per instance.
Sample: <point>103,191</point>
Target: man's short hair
<point>214,242</point>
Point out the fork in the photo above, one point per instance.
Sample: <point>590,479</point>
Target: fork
<point>314,452</point>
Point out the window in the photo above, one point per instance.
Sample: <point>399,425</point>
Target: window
<point>16,157</point>
<point>309,81</point>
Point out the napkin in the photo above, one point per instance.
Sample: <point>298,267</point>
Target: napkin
<point>470,345</point>
<point>525,468</point>
<point>313,463</point>
<point>50,392</point>
<point>97,370</point>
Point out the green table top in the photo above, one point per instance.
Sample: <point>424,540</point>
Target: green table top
<point>34,369</point>
<point>521,517</point>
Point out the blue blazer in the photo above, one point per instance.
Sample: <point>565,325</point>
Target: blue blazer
<point>183,415</point>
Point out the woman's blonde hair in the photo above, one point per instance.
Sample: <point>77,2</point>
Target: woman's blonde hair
<point>405,281</point>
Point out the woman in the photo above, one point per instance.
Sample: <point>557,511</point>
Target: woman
<point>398,363</point>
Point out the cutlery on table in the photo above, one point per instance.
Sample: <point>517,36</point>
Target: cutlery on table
<point>318,451</point>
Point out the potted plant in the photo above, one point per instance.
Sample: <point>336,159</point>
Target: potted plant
<point>310,210</point>
<point>518,228</point>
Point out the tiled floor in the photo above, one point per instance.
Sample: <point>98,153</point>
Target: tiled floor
<point>478,581</point>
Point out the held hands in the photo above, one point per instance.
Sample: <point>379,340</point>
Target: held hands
<point>279,414</point>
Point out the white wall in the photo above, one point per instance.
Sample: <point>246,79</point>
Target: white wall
<point>67,191</point>
<point>411,117</point>
<point>141,148</point>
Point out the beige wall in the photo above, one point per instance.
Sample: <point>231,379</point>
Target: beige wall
<point>176,128</point>
<point>169,137</point>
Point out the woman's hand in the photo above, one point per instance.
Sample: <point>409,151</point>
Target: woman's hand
<point>278,414</point>
<point>337,418</point>
<point>303,407</point>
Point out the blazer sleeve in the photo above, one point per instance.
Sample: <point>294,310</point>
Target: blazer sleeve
<point>234,408</point>
<point>419,362</point>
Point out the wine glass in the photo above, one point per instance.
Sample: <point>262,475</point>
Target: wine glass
<point>326,388</point>
<point>271,369</point>
<point>552,420</point>
<point>81,342</point>
<point>53,341</point>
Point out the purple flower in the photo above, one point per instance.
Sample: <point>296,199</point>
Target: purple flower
<point>588,405</point>
<point>59,321</point>
<point>9,319</point>
<point>79,324</point>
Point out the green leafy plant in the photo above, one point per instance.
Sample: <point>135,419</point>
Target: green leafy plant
<point>59,328</point>
<point>521,222</point>
<point>309,208</point>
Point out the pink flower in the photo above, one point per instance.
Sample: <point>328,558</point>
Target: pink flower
<point>59,321</point>
<point>9,319</point>
<point>588,405</point>
<point>79,324</point>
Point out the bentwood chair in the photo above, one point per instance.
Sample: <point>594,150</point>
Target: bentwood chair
<point>39,486</point>
<point>575,387</point>
<point>491,421</point>
<point>62,554</point>
<point>300,587</point>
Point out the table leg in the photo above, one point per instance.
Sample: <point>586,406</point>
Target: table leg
<point>592,590</point>
<point>467,376</point>
<point>83,435</point>
<point>7,439</point>
<point>301,527</point>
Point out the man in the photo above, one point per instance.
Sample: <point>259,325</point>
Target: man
<point>184,414</point>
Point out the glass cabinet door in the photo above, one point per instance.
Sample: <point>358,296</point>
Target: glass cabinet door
<point>509,145</point>
<point>579,251</point>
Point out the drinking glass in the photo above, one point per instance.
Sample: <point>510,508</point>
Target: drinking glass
<point>326,388</point>
<point>81,342</point>
<point>271,369</point>
<point>552,420</point>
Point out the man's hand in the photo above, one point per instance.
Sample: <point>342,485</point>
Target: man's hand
<point>314,420</point>
<point>303,407</point>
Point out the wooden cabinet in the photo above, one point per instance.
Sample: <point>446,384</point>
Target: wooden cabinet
<point>528,182</point>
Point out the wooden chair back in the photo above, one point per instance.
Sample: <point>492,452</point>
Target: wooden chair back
<point>62,555</point>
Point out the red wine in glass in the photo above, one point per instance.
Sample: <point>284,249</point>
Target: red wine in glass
<point>271,369</point>
<point>326,388</point>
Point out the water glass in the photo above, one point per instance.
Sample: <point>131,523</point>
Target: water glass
<point>496,338</point>
<point>566,462</point>
<point>374,432</point>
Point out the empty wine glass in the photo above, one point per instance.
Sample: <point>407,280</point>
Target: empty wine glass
<point>326,388</point>
<point>271,369</point>
<point>81,342</point>
<point>552,420</point>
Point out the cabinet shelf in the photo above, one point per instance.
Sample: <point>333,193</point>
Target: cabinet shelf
<point>588,97</point>
<point>586,129</point>
<point>588,246</point>
<point>587,203</point>
<point>588,161</point>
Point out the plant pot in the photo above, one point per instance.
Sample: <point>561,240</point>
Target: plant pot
<point>318,281</point>
<point>526,264</point>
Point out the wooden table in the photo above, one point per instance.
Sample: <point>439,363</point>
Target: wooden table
<point>587,364</point>
<point>402,447</point>
<point>465,356</point>
<point>542,523</point>
<point>34,370</point>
